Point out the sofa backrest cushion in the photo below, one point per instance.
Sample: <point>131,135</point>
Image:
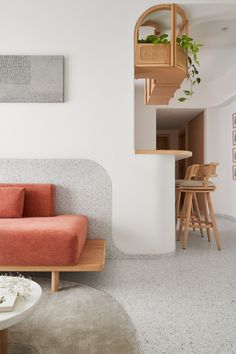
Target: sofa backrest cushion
<point>39,199</point>
<point>11,202</point>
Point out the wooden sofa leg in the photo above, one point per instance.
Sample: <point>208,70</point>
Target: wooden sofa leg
<point>55,281</point>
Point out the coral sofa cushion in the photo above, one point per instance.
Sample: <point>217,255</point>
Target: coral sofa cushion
<point>46,241</point>
<point>39,198</point>
<point>11,202</point>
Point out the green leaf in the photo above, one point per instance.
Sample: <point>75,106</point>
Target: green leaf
<point>181,99</point>
<point>163,36</point>
<point>195,70</point>
<point>151,37</point>
<point>187,92</point>
<point>165,41</point>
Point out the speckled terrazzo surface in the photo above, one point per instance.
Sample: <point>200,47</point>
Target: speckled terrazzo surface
<point>181,303</point>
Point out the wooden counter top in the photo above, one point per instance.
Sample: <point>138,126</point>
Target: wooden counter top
<point>179,154</point>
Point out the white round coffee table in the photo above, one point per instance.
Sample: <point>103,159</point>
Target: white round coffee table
<point>22,309</point>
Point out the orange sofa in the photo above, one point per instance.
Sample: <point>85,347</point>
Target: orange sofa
<point>40,241</point>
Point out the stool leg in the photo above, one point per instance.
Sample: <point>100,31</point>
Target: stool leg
<point>187,217</point>
<point>195,202</point>
<point>217,238</point>
<point>206,217</point>
<point>193,218</point>
<point>178,197</point>
<point>183,212</point>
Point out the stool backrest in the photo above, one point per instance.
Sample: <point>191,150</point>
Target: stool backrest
<point>191,172</point>
<point>206,171</point>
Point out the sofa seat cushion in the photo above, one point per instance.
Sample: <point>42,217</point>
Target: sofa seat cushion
<point>47,241</point>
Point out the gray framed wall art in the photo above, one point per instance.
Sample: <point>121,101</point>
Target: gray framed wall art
<point>31,78</point>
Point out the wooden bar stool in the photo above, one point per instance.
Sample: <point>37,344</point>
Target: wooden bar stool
<point>191,188</point>
<point>191,173</point>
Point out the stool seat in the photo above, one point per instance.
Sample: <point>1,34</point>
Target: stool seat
<point>196,184</point>
<point>179,181</point>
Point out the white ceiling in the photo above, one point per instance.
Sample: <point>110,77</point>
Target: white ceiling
<point>174,118</point>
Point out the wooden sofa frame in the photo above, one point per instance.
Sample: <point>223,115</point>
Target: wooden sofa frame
<point>92,259</point>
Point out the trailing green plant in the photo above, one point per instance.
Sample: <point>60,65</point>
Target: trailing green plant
<point>192,49</point>
<point>155,39</point>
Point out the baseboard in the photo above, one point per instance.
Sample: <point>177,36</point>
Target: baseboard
<point>225,216</point>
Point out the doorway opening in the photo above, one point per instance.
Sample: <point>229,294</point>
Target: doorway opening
<point>181,129</point>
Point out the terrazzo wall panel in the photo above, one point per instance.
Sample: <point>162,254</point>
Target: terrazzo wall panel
<point>82,186</point>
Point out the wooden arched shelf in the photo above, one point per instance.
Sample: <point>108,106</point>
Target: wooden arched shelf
<point>163,66</point>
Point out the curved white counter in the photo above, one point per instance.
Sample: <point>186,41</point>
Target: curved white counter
<point>158,194</point>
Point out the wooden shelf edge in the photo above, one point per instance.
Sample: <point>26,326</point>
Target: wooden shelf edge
<point>92,259</point>
<point>179,154</point>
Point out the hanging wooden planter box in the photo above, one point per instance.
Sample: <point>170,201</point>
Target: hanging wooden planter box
<point>182,59</point>
<point>150,58</point>
<point>152,54</point>
<point>167,64</point>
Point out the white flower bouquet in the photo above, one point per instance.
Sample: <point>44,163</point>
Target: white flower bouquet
<point>16,285</point>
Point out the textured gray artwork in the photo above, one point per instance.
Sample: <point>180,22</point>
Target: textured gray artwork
<point>82,186</point>
<point>36,78</point>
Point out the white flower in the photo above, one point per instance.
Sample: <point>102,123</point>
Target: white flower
<point>16,285</point>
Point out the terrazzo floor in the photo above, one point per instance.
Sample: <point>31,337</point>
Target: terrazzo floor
<point>180,303</point>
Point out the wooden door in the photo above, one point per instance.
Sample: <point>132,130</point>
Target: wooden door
<point>196,145</point>
<point>163,142</point>
<point>196,139</point>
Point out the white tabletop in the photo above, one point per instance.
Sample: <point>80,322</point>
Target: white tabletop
<point>22,309</point>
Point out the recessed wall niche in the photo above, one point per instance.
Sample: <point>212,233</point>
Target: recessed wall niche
<point>164,57</point>
<point>159,61</point>
<point>160,66</point>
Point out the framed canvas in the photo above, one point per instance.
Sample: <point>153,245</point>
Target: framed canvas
<point>234,120</point>
<point>234,137</point>
<point>31,78</point>
<point>234,172</point>
<point>234,155</point>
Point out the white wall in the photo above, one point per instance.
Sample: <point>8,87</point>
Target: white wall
<point>218,143</point>
<point>97,120</point>
<point>145,122</point>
